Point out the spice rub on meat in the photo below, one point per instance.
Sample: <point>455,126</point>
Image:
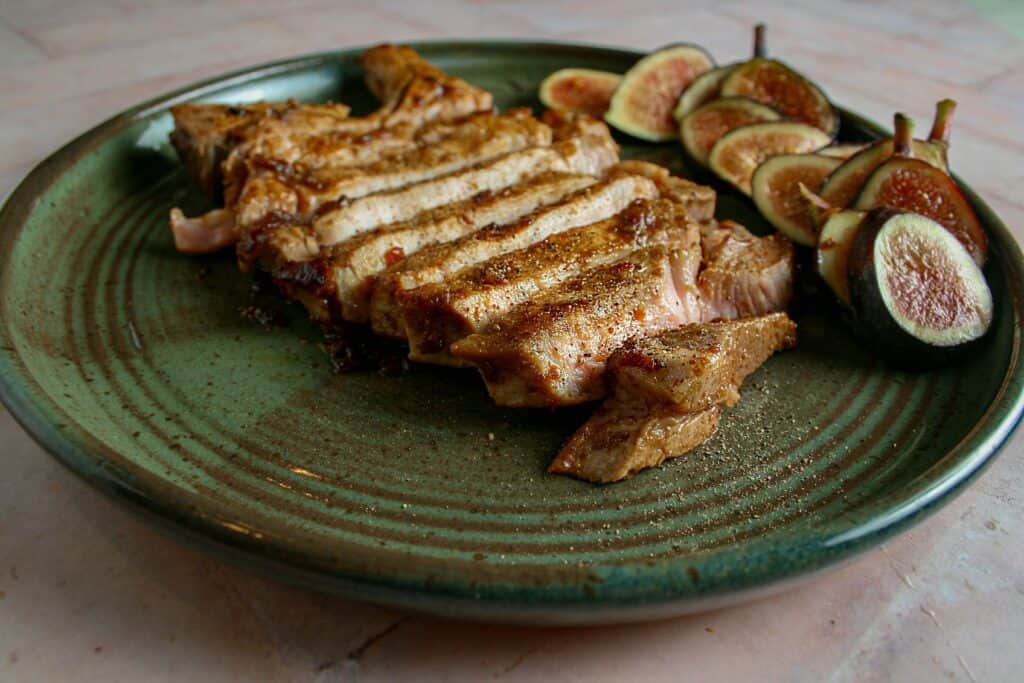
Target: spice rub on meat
<point>521,246</point>
<point>667,393</point>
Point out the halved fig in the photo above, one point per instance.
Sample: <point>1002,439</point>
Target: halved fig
<point>775,187</point>
<point>917,293</point>
<point>738,153</point>
<point>843,151</point>
<point>842,187</point>
<point>913,185</point>
<point>642,104</point>
<point>773,83</point>
<point>833,254</point>
<point>582,91</point>
<point>702,128</point>
<point>704,89</point>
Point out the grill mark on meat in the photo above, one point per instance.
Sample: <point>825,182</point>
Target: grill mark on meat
<point>433,264</point>
<point>436,315</point>
<point>552,350</point>
<point>353,265</point>
<point>589,154</point>
<point>279,186</point>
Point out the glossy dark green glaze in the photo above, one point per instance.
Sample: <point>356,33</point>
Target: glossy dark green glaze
<point>131,364</point>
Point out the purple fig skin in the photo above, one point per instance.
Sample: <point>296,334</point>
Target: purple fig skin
<point>872,323</point>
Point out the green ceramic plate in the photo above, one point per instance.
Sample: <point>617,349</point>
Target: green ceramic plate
<point>131,364</point>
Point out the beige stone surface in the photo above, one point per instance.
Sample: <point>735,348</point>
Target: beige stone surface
<point>90,593</point>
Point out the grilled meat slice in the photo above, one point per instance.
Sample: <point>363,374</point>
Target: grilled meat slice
<point>342,278</point>
<point>666,393</point>
<point>744,275</point>
<point>439,314</point>
<point>414,90</point>
<point>699,200</point>
<point>552,350</point>
<point>433,264</point>
<point>204,134</point>
<point>696,366</point>
<point>297,191</point>
<point>619,440</point>
<point>586,151</point>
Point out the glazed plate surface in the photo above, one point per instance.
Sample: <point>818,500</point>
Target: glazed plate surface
<point>132,365</point>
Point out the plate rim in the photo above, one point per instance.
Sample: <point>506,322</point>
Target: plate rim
<point>962,462</point>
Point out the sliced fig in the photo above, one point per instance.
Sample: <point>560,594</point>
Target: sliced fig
<point>704,89</point>
<point>913,185</point>
<point>642,104</point>
<point>917,293</point>
<point>842,187</point>
<point>775,187</point>
<point>833,254</point>
<point>701,128</point>
<point>843,151</point>
<point>738,153</point>
<point>580,91</point>
<point>782,88</point>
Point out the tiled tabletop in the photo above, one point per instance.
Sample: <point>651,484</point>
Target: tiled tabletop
<point>89,593</point>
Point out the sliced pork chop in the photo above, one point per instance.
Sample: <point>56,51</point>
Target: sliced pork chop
<point>699,200</point>
<point>341,280</point>
<point>696,366</point>
<point>618,441</point>
<point>299,191</point>
<point>551,351</point>
<point>592,204</point>
<point>666,393</point>
<point>439,314</point>
<point>743,274</point>
<point>588,150</point>
<point>413,92</point>
<point>204,134</point>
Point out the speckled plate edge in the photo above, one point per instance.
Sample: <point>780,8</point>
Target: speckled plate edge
<point>199,523</point>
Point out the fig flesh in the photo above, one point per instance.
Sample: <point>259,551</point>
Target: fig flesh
<point>702,128</point>
<point>738,153</point>
<point>704,89</point>
<point>771,82</point>
<point>579,91</point>
<point>776,185</point>
<point>913,185</point>
<point>917,293</point>
<point>833,253</point>
<point>642,105</point>
<point>842,187</point>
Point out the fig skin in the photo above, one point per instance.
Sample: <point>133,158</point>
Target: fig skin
<point>705,88</point>
<point>872,321</point>
<point>579,91</point>
<point>644,109</point>
<point>782,88</point>
<point>833,252</point>
<point>722,115</point>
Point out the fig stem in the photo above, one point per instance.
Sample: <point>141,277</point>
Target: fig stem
<point>760,50</point>
<point>943,125</point>
<point>903,136</point>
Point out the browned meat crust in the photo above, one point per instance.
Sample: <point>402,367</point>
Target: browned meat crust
<point>666,394</point>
